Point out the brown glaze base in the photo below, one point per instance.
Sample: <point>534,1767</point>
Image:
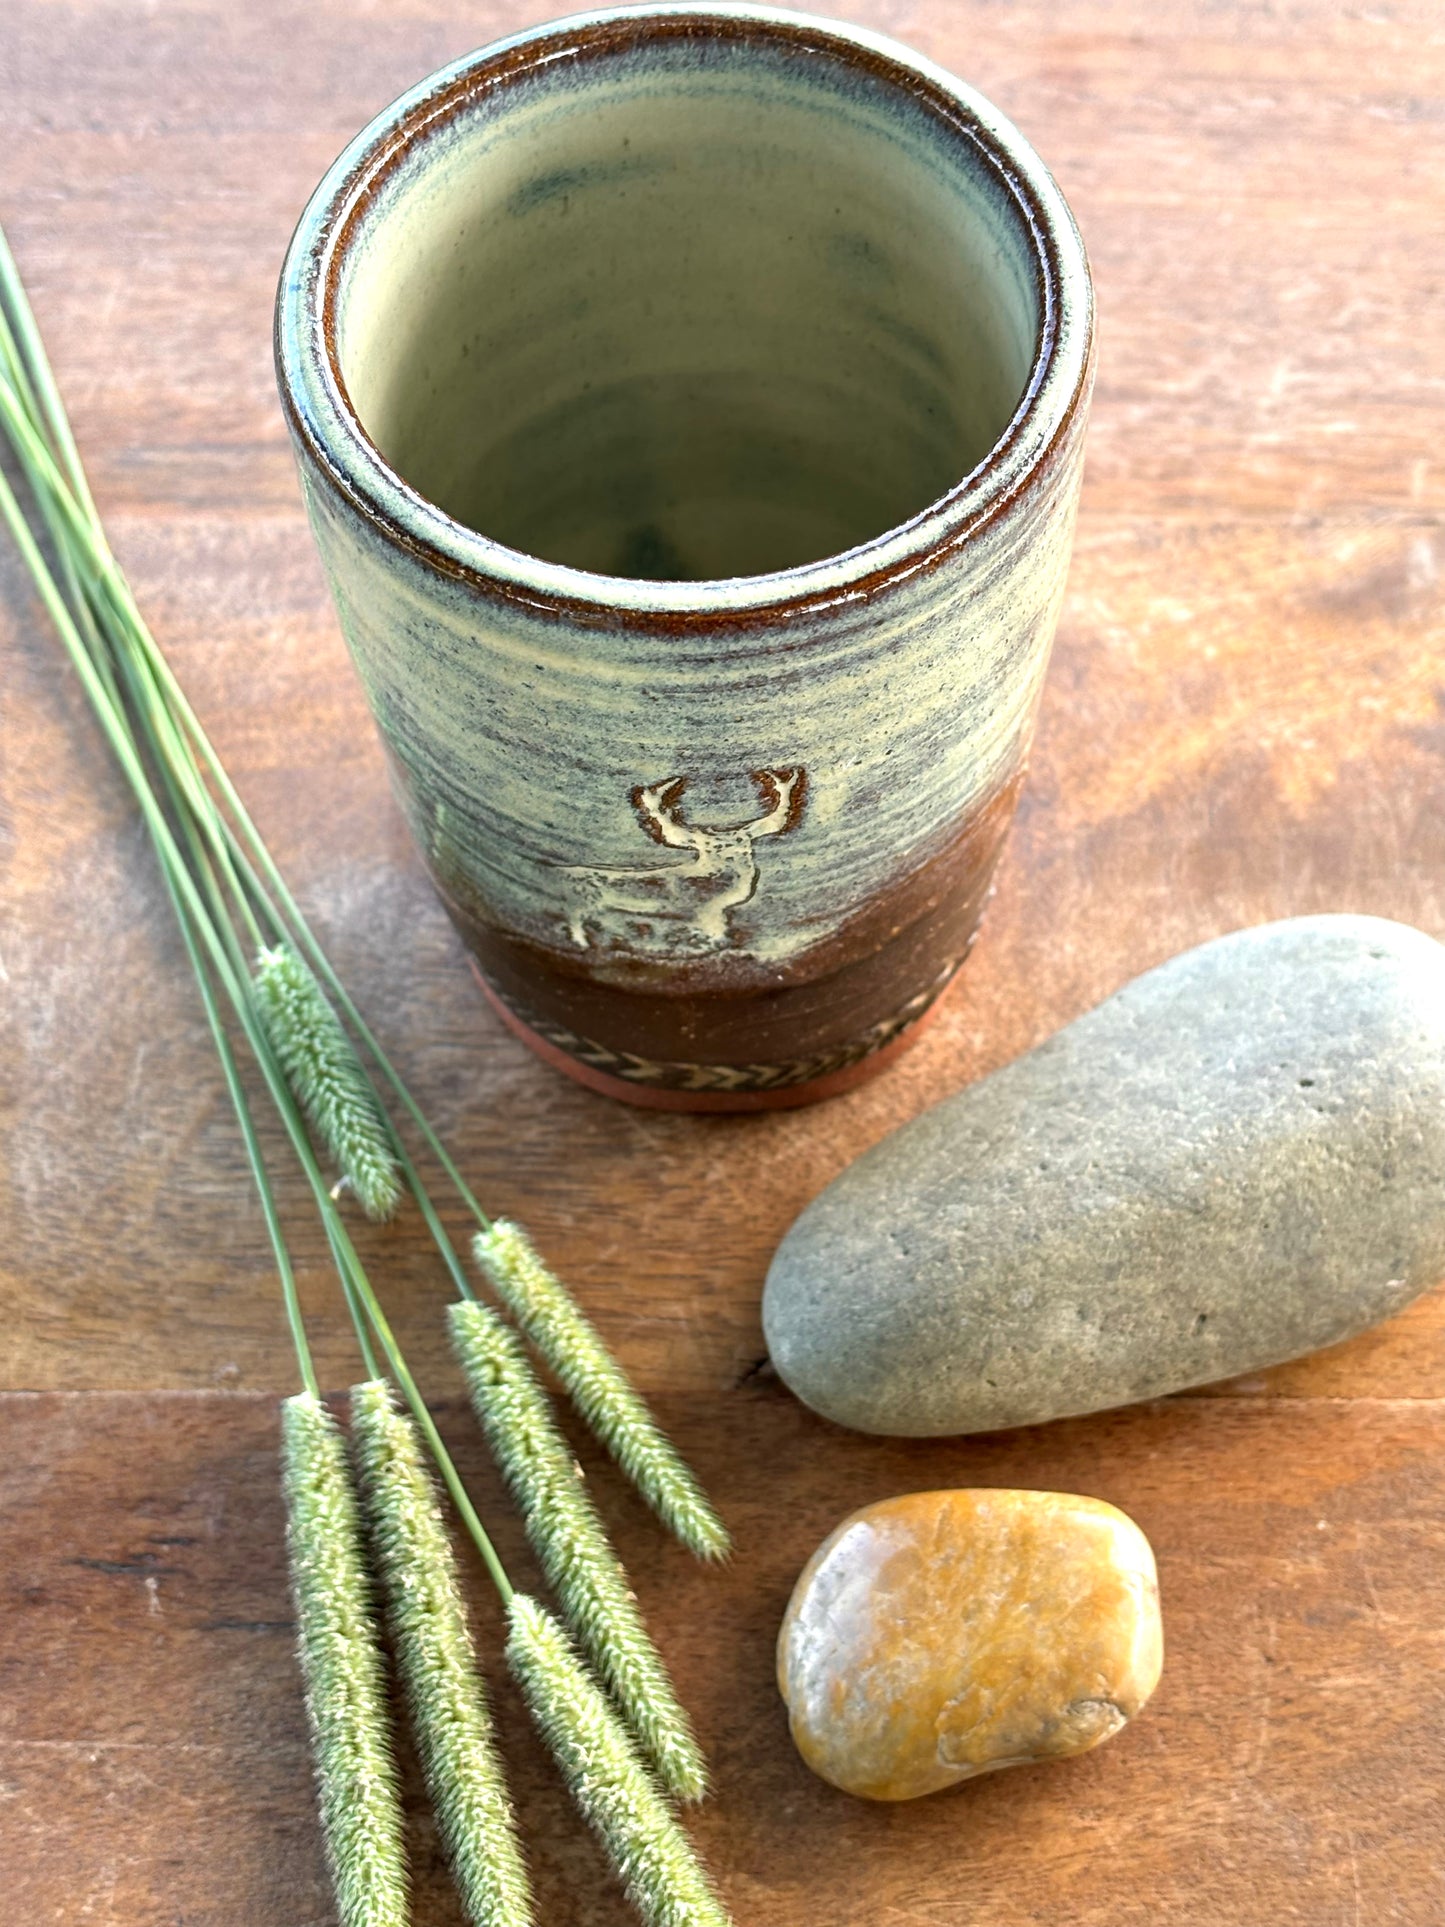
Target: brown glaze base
<point>708,1034</point>
<point>656,1097</point>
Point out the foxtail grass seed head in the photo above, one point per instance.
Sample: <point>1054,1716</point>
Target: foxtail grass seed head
<point>654,1858</point>
<point>342,1665</point>
<point>418,1571</point>
<point>598,1387</point>
<point>325,1074</point>
<point>572,1544</point>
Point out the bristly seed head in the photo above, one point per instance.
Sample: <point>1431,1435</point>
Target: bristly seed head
<point>598,1387</point>
<point>342,1665</point>
<point>572,1544</point>
<point>654,1858</point>
<point>326,1077</point>
<point>437,1662</point>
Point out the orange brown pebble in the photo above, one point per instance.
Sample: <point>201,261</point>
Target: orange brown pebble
<point>941,1635</point>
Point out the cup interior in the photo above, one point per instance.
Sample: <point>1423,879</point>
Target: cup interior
<point>686,307</point>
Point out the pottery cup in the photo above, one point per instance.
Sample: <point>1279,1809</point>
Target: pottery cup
<point>689,404</point>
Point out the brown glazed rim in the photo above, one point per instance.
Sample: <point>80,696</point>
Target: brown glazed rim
<point>312,384</point>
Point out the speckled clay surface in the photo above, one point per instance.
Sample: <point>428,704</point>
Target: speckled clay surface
<point>689,405</point>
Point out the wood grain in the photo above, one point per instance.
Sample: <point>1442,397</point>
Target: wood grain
<point>1286,1770</point>
<point>1245,719</point>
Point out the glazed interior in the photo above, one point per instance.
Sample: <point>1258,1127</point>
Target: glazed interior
<point>687,309</point>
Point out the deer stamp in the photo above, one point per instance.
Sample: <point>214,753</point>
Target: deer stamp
<point>681,905</point>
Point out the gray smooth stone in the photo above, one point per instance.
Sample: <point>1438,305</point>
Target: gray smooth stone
<point>1238,1158</point>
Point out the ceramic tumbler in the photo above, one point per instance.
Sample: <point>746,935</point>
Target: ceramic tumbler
<point>689,405</point>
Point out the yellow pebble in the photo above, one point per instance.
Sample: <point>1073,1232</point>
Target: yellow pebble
<point>945,1634</point>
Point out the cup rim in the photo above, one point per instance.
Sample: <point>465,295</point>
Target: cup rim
<point>324,423</point>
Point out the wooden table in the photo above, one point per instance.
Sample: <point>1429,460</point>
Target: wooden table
<point>1245,719</point>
